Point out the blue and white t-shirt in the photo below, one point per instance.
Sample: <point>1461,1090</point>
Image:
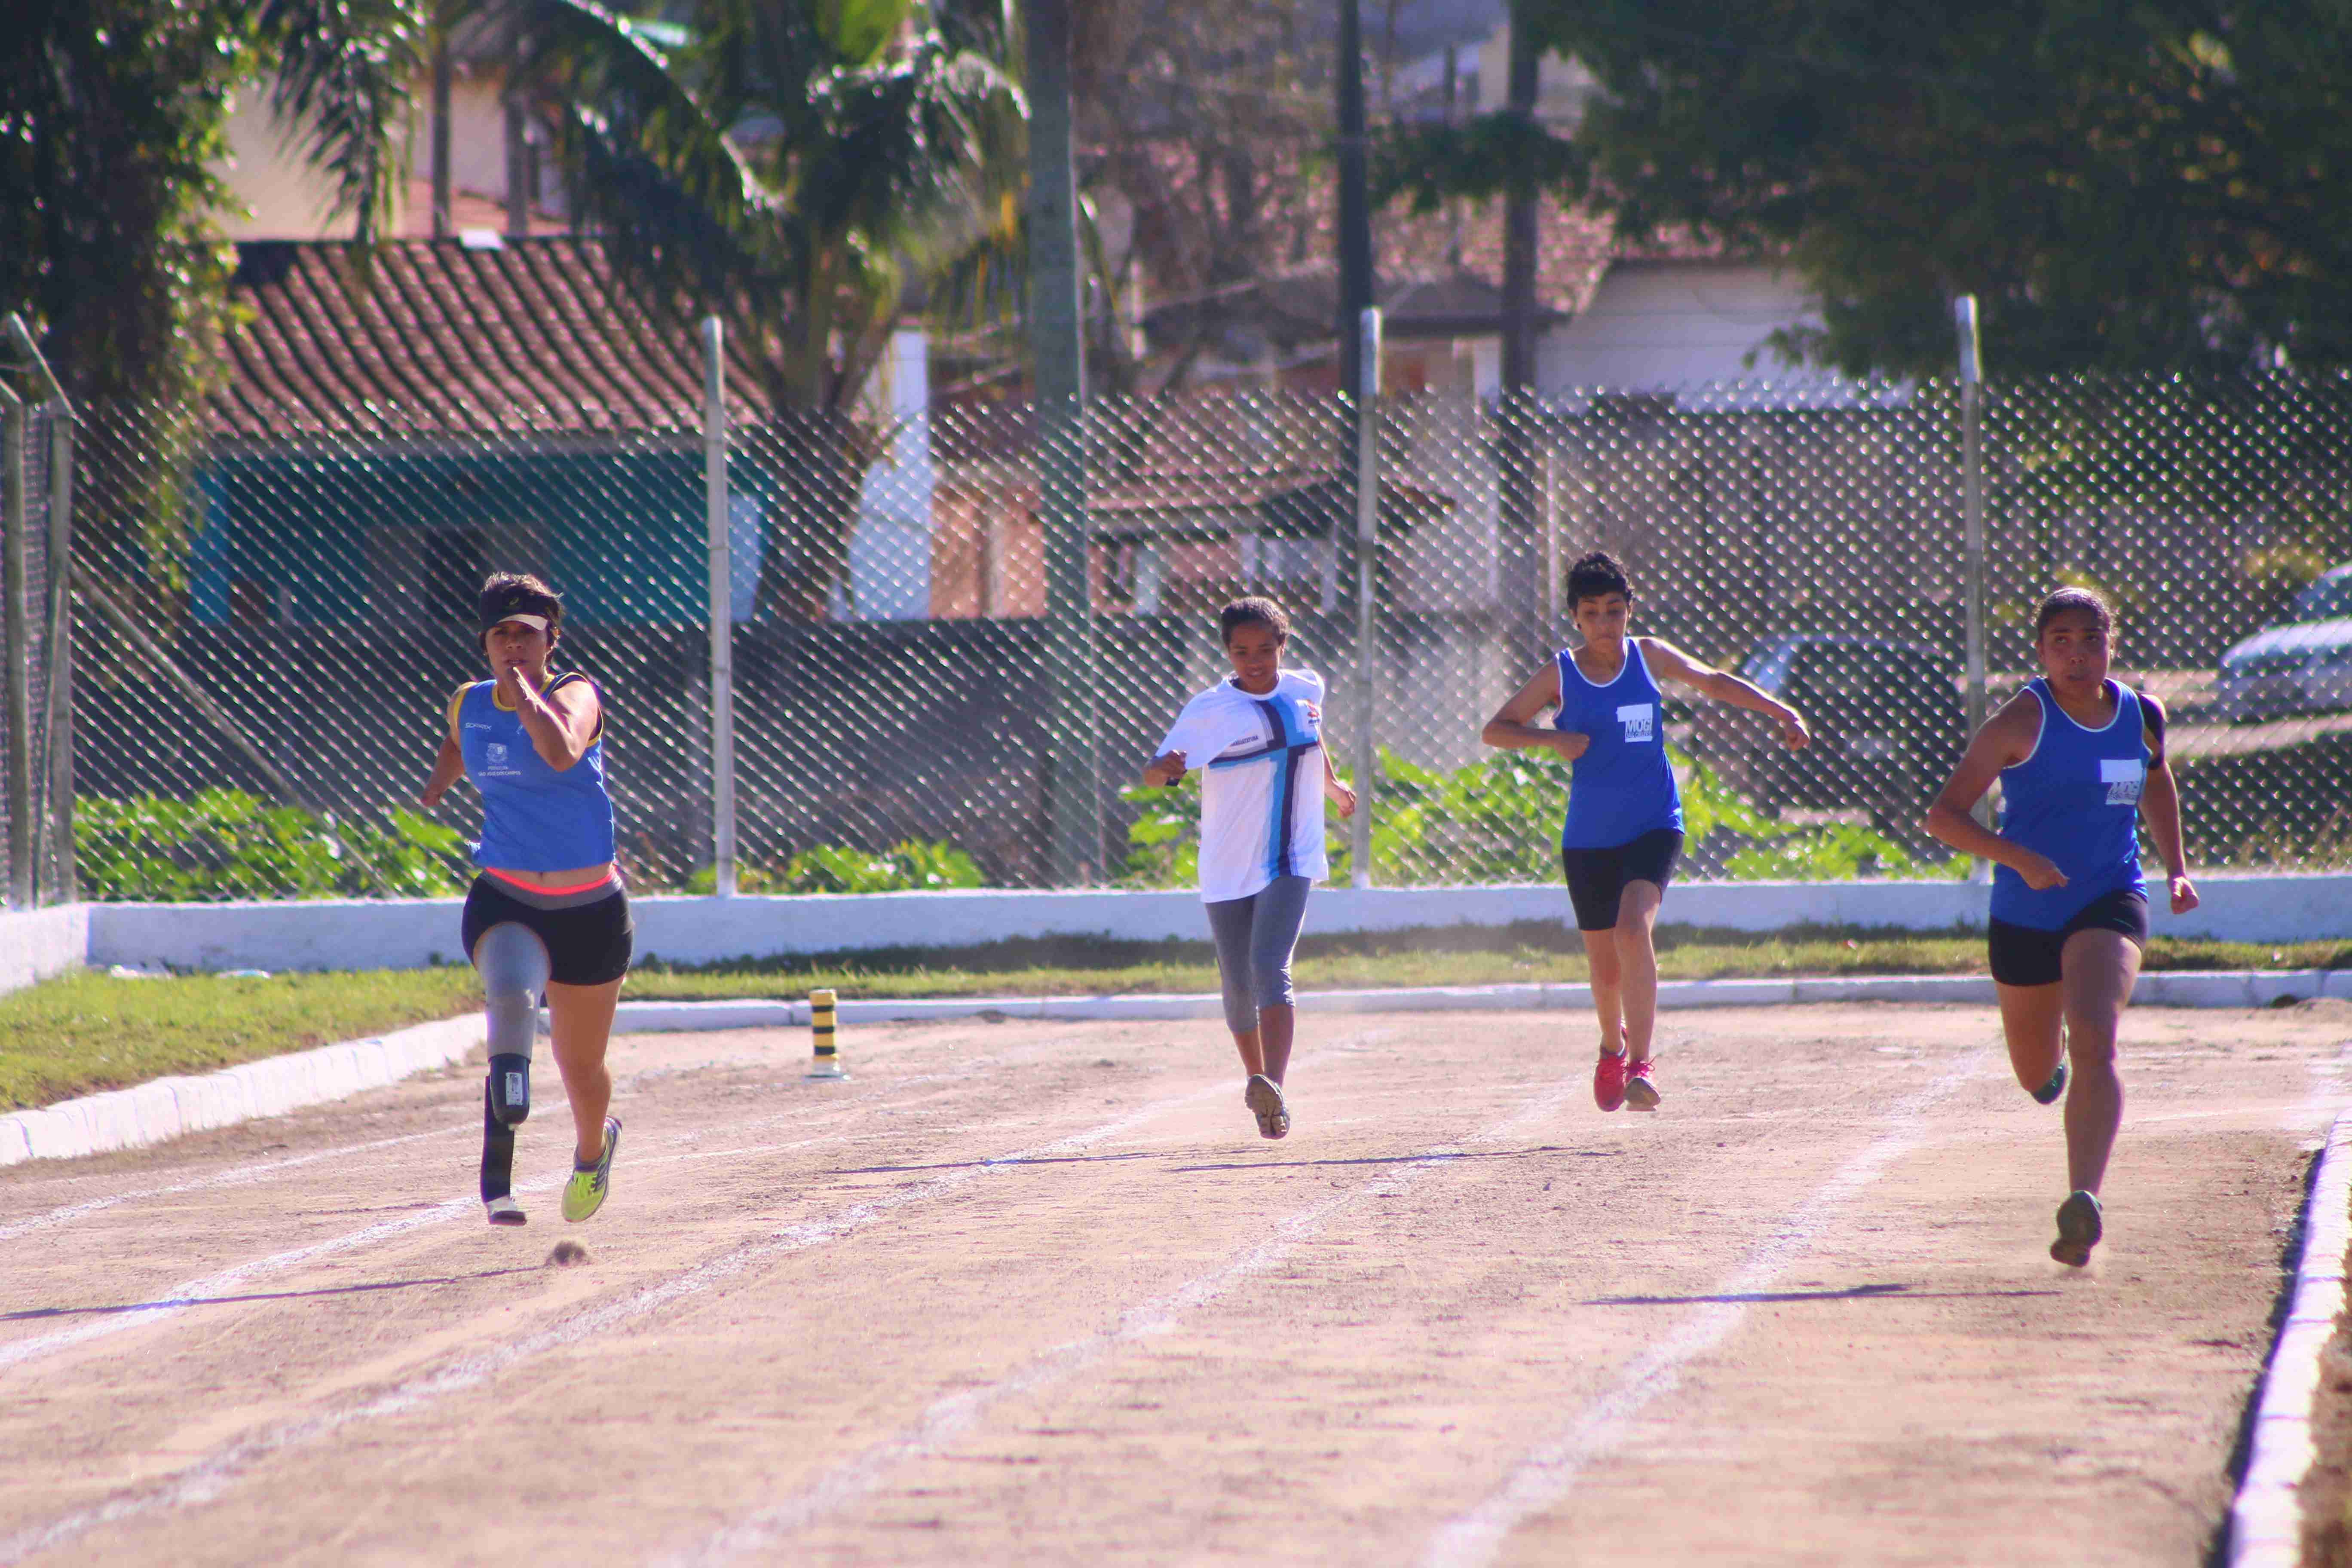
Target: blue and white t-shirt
<point>1261,782</point>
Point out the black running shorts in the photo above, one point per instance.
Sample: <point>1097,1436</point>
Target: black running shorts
<point>587,944</point>
<point>2027,955</point>
<point>1596,878</point>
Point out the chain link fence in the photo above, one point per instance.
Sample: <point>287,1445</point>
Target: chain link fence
<point>271,612</point>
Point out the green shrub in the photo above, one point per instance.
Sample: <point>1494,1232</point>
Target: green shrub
<point>225,844</point>
<point>1498,821</point>
<point>909,867</point>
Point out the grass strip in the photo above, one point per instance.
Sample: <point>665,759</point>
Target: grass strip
<point>1442,955</point>
<point>86,1032</point>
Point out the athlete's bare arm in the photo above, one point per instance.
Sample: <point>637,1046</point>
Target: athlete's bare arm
<point>1512,728</point>
<point>2007,738</point>
<point>562,724</point>
<point>447,769</point>
<point>1163,770</point>
<point>2160,808</point>
<point>1670,663</point>
<point>1338,794</point>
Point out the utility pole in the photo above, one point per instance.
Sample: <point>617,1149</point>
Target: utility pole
<point>1354,202</point>
<point>1057,356</point>
<point>1515,439</point>
<point>444,224</point>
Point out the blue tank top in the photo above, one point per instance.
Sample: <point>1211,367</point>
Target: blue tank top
<point>534,818</point>
<point>1622,786</point>
<point>2074,799</point>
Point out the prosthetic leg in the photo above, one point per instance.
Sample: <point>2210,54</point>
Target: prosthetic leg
<point>514,968</point>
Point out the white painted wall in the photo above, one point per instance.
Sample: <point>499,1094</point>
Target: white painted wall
<point>290,198</point>
<point>37,943</point>
<point>890,551</point>
<point>1660,325</point>
<point>401,934</point>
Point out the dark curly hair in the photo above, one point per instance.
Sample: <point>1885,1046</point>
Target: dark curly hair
<point>1594,573</point>
<point>1252,611</point>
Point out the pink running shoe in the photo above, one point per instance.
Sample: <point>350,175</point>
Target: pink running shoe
<point>1609,1081</point>
<point>1639,1093</point>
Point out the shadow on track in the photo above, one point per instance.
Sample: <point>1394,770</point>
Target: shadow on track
<point>1851,1293</point>
<point>175,1302</point>
<point>1447,1158</point>
<point>1008,1164</point>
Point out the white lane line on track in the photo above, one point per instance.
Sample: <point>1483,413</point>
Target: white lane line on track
<point>240,1175</point>
<point>1544,1476</point>
<point>947,1419</point>
<point>216,1472</point>
<point>178,1298</point>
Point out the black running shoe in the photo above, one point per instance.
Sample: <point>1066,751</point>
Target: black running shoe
<point>2049,1092</point>
<point>2079,1230</point>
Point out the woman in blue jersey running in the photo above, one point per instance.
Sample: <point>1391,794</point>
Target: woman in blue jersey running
<point>1258,739</point>
<point>1624,828</point>
<point>2081,762</point>
<point>547,915</point>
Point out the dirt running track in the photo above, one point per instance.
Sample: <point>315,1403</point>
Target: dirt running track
<point>1036,1292</point>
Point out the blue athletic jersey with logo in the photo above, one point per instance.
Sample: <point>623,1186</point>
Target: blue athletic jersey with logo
<point>1261,766</point>
<point>2074,799</point>
<point>1622,786</point>
<point>534,818</point>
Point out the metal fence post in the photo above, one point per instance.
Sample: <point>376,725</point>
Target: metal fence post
<point>1972,516</point>
<point>1368,547</point>
<point>57,720</point>
<point>52,829</point>
<point>722,607</point>
<point>19,640</point>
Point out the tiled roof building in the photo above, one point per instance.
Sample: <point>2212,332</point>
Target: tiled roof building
<point>514,334</point>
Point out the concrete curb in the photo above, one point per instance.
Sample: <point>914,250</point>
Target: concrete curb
<point>2266,1520</point>
<point>171,1107</point>
<point>2219,988</point>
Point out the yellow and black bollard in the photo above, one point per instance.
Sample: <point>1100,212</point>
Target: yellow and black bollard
<point>826,1060</point>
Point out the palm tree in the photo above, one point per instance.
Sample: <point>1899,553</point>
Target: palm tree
<point>795,167</point>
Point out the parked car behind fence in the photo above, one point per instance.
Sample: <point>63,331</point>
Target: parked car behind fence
<point>2304,664</point>
<point>1887,719</point>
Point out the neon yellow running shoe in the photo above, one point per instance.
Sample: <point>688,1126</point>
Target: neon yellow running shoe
<point>583,1194</point>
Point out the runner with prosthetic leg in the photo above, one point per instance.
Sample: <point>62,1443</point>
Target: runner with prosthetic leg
<point>2081,762</point>
<point>547,917</point>
<point>1624,826</point>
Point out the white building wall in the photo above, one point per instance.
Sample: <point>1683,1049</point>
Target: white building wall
<point>1654,326</point>
<point>286,197</point>
<point>890,552</point>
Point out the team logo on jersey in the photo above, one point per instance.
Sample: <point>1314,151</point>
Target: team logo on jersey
<point>2123,778</point>
<point>495,754</point>
<point>1640,719</point>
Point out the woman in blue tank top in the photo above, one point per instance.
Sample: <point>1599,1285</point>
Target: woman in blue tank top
<point>547,915</point>
<point>2081,762</point>
<point>1624,826</point>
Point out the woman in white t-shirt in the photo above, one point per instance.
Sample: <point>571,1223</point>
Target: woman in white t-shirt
<point>1257,737</point>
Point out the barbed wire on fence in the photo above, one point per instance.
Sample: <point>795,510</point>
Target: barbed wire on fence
<point>271,611</point>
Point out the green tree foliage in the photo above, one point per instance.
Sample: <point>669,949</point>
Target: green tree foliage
<point>1499,820</point>
<point>113,116</point>
<point>2155,186</point>
<point>795,166</point>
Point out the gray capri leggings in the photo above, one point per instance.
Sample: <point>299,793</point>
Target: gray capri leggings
<point>1254,936</point>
